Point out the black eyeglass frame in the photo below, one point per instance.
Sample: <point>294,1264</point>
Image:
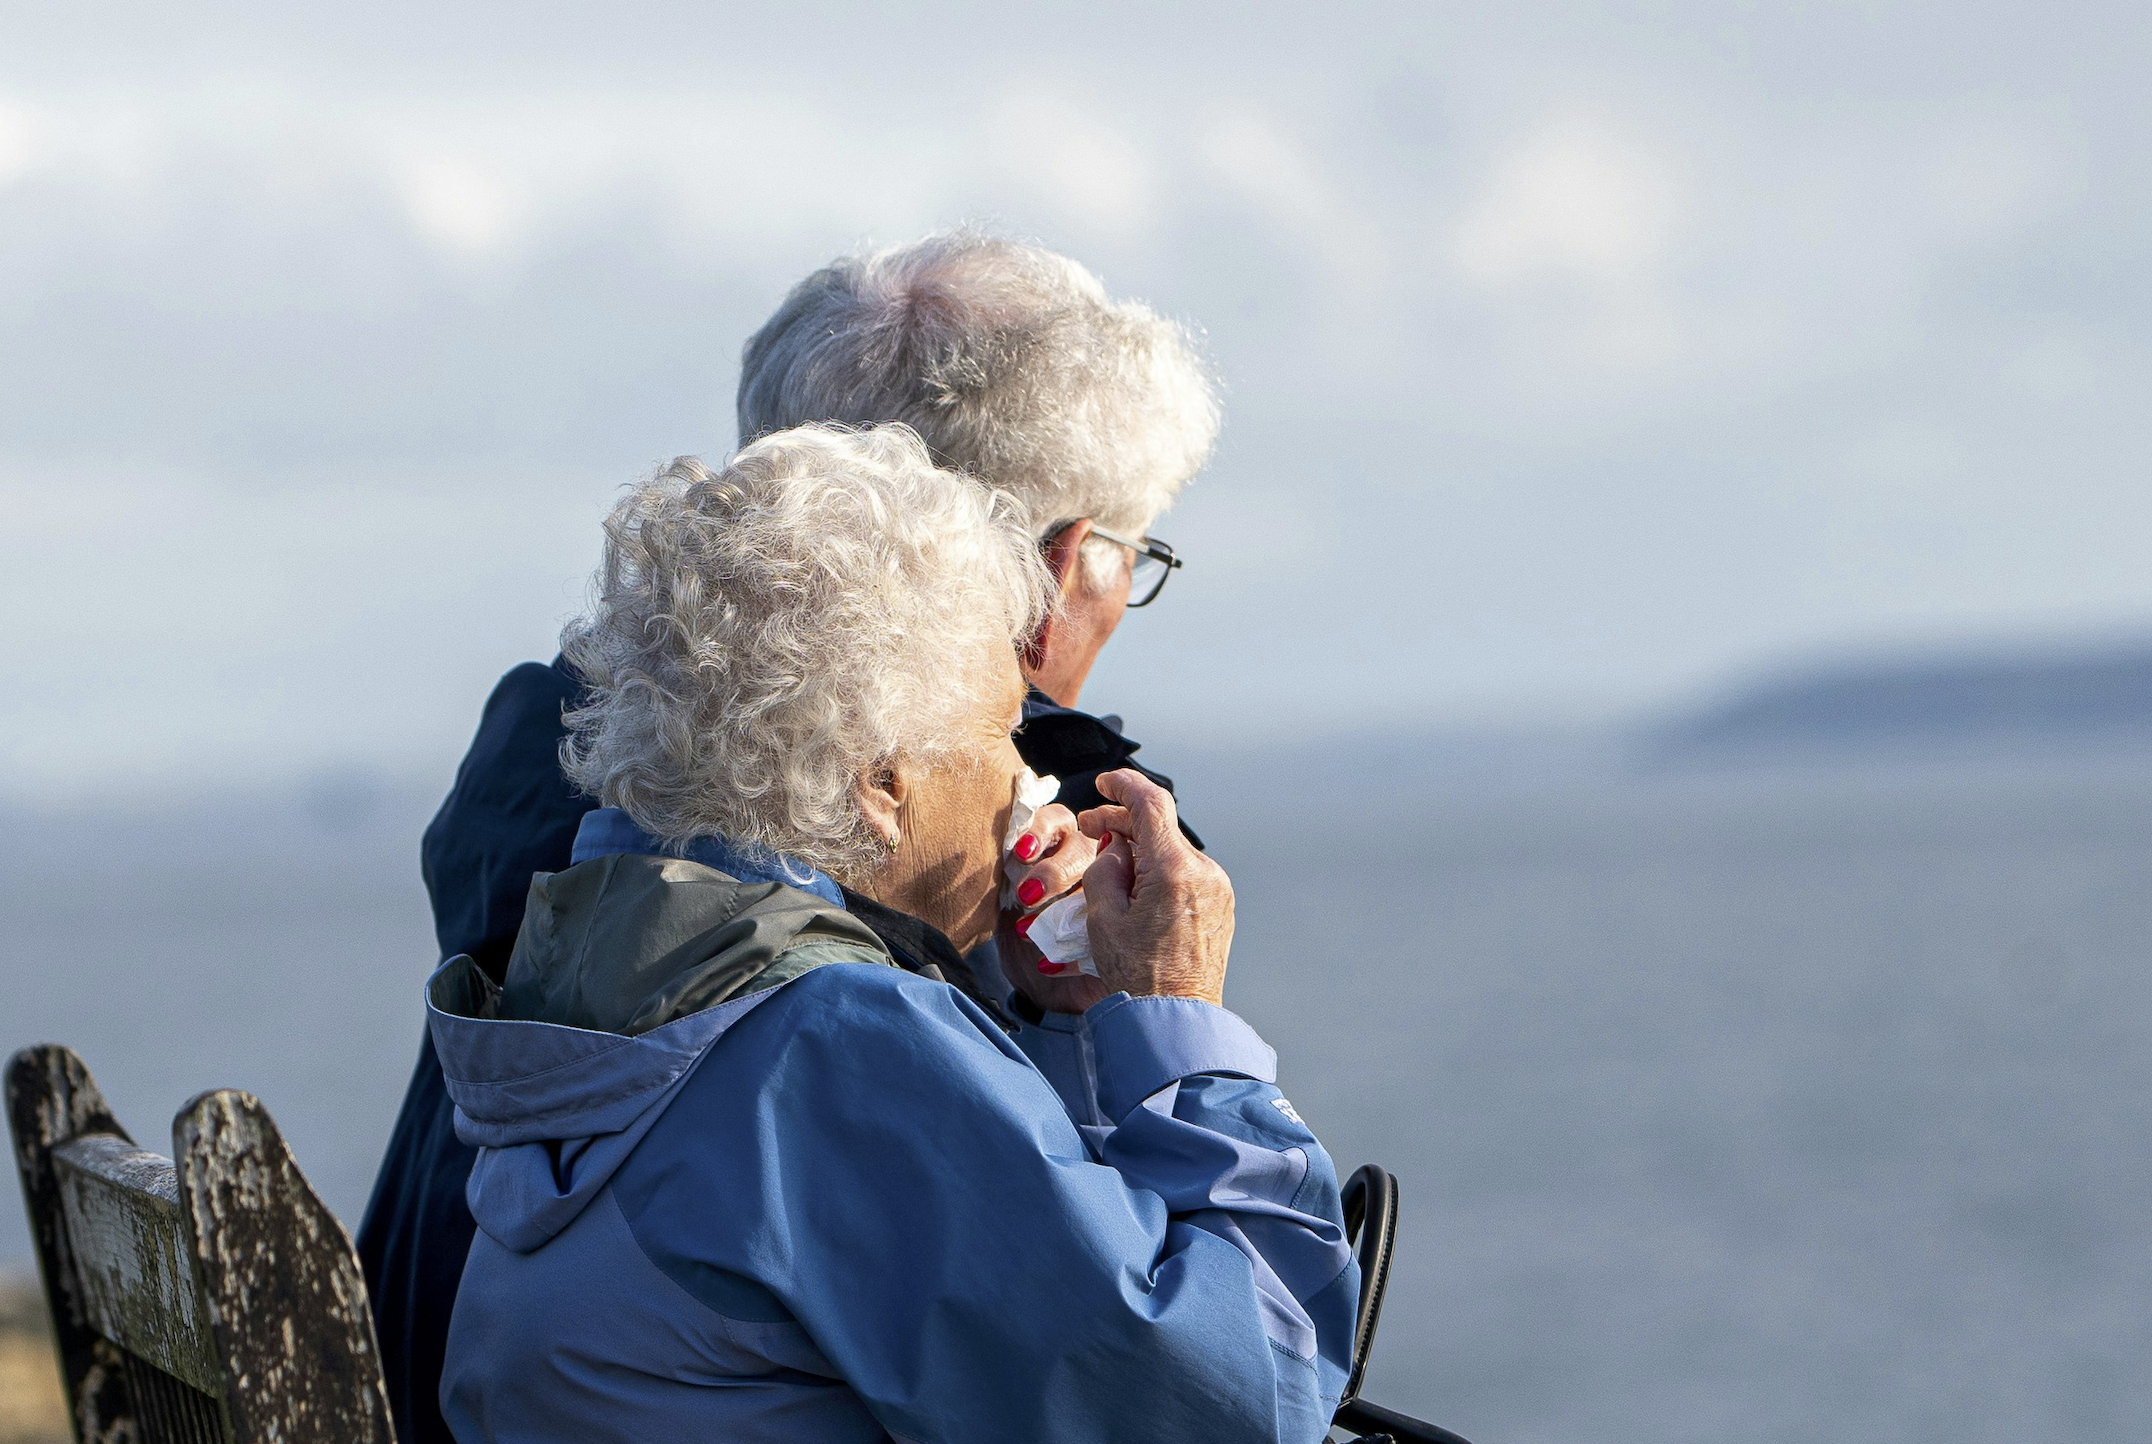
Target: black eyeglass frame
<point>1149,548</point>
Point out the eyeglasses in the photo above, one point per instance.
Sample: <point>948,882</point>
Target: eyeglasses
<point>1154,562</point>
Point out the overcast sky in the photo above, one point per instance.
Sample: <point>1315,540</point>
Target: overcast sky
<point>1578,357</point>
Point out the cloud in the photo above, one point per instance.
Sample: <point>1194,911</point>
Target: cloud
<point>1984,179</point>
<point>1573,394</point>
<point>1295,189</point>
<point>1573,201</point>
<point>1568,243</point>
<point>1093,170</point>
<point>460,206</point>
<point>18,142</point>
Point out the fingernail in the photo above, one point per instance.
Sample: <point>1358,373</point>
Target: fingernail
<point>1023,927</point>
<point>1030,890</point>
<point>1027,848</point>
<point>1105,839</point>
<point>1048,965</point>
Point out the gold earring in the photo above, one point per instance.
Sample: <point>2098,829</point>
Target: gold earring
<point>890,842</point>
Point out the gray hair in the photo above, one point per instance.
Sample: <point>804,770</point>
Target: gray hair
<point>760,637</point>
<point>1009,360</point>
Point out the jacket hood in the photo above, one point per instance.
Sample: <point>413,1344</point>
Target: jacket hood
<point>627,970</point>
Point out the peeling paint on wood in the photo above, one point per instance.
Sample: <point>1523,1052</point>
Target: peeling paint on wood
<point>50,1100</point>
<point>282,1283</point>
<point>121,1208</point>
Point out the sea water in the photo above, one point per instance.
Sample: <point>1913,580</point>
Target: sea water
<point>1763,1104</point>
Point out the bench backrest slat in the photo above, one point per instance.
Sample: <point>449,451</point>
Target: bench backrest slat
<point>286,1298</point>
<point>121,1209</point>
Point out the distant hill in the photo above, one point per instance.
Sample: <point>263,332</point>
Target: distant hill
<point>2050,698</point>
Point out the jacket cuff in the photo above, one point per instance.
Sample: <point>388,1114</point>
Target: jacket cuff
<point>1143,1044</point>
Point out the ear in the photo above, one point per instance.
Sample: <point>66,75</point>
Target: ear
<point>1064,556</point>
<point>881,792</point>
<point>1061,553</point>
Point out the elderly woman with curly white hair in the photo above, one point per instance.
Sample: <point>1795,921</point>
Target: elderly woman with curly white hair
<point>752,1166</point>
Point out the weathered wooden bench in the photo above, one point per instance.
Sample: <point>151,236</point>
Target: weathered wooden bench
<point>209,1298</point>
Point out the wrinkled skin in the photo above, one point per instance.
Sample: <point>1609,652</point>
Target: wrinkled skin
<point>1087,608</point>
<point>948,814</point>
<point>1161,913</point>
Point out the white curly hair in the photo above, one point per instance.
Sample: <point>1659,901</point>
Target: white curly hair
<point>760,637</point>
<point>1009,360</point>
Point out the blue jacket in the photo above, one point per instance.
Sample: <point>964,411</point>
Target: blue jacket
<point>740,1177</point>
<point>512,814</point>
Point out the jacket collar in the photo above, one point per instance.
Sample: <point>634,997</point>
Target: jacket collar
<point>608,830</point>
<point>917,946</point>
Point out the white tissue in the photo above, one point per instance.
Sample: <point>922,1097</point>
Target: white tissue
<point>1062,932</point>
<point>1032,793</point>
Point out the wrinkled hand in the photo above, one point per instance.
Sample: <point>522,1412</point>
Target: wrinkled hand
<point>1161,913</point>
<point>1048,860</point>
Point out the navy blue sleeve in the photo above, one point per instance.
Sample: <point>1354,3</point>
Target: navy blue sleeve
<point>889,1166</point>
<point>511,813</point>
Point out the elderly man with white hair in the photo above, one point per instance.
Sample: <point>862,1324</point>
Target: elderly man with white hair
<point>1016,368</point>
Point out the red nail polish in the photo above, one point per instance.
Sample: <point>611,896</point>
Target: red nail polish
<point>1048,965</point>
<point>1027,848</point>
<point>1105,839</point>
<point>1023,927</point>
<point>1030,891</point>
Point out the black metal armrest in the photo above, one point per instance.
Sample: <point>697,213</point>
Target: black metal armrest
<point>1370,1198</point>
<point>1373,1422</point>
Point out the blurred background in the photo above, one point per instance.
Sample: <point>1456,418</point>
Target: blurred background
<point>1665,650</point>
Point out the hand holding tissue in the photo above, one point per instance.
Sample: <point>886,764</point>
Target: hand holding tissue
<point>1062,933</point>
<point>1058,931</point>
